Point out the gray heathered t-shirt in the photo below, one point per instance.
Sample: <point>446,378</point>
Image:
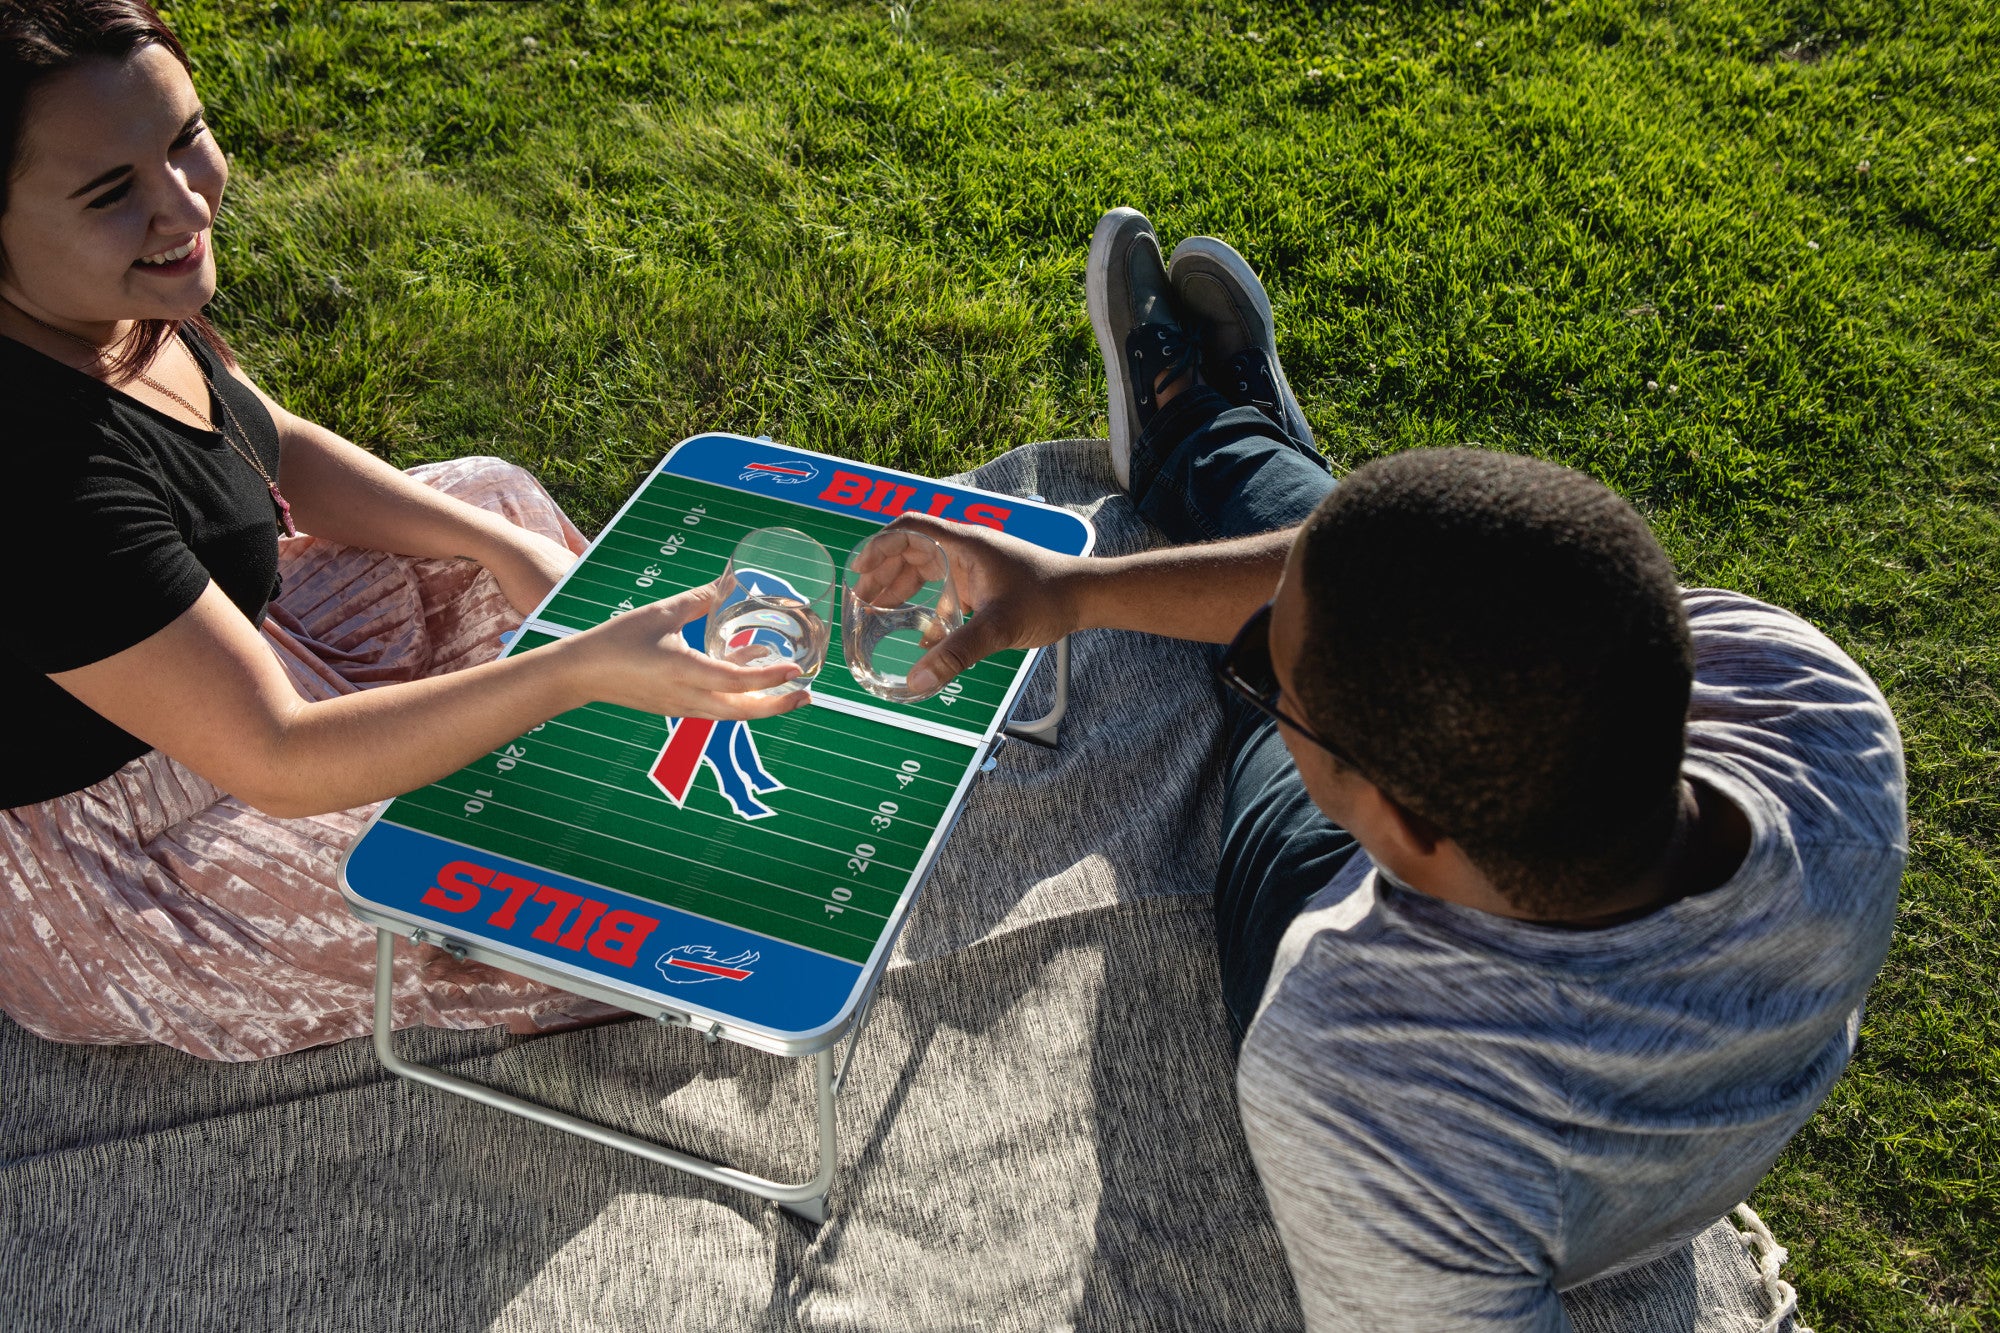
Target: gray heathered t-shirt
<point>1458,1116</point>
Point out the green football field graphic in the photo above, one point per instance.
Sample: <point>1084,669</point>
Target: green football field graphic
<point>826,861</point>
<point>573,795</point>
<point>684,530</point>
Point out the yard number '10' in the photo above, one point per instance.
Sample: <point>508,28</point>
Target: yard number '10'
<point>864,854</point>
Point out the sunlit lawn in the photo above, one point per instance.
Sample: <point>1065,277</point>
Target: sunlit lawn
<point>1736,259</point>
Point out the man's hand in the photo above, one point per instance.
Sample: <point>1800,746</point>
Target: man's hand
<point>1022,596</point>
<point>1026,597</point>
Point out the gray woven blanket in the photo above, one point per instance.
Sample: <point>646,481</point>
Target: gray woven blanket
<point>1040,1131</point>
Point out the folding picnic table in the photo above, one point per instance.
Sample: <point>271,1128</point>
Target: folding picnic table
<point>743,880</point>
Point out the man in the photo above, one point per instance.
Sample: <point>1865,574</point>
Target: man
<point>1549,893</point>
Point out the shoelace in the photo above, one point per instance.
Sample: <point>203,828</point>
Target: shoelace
<point>1252,375</point>
<point>1173,352</point>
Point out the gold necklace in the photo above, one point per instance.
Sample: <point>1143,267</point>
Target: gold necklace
<point>222,408</point>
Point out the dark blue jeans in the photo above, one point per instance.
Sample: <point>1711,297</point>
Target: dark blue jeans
<point>1203,471</point>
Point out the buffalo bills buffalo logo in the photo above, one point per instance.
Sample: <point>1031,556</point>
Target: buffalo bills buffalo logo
<point>692,964</point>
<point>725,748</point>
<point>791,472</point>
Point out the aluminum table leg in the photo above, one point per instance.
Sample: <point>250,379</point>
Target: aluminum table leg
<point>808,1200</point>
<point>1047,729</point>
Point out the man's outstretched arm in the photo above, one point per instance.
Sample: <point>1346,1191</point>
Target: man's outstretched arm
<point>1026,597</point>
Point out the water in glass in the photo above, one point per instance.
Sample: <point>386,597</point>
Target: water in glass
<point>897,603</point>
<point>776,606</point>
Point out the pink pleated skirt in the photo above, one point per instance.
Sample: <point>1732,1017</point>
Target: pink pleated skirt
<point>152,907</point>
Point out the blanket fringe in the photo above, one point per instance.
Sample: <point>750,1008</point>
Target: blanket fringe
<point>1769,1256</point>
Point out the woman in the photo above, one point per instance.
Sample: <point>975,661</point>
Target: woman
<point>193,739</point>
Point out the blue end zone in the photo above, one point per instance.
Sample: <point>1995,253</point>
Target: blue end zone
<point>685,961</point>
<point>841,487</point>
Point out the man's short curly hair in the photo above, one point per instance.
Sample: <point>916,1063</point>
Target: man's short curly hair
<point>1500,644</point>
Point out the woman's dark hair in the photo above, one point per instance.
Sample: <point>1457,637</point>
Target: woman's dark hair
<point>1500,644</point>
<point>42,38</point>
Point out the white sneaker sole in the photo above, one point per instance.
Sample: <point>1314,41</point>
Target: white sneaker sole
<point>1097,299</point>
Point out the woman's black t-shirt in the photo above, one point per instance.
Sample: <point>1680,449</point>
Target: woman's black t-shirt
<point>118,517</point>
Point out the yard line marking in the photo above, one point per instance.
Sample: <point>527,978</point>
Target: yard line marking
<point>887,768</point>
<point>645,847</point>
<point>682,836</point>
<point>640,800</point>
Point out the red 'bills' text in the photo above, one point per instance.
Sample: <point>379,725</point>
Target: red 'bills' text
<point>572,922</point>
<point>888,497</point>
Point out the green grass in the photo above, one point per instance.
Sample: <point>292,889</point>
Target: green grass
<point>861,228</point>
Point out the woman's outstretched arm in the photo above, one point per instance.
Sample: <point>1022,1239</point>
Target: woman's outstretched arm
<point>208,691</point>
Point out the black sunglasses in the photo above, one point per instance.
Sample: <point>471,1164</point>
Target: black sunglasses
<point>1245,668</point>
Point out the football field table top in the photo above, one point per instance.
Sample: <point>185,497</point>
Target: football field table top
<point>748,879</point>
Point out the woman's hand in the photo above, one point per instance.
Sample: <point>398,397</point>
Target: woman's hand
<point>1024,596</point>
<point>640,660</point>
<point>208,690</point>
<point>526,565</point>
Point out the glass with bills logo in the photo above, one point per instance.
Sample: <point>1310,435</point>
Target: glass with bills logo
<point>777,605</point>
<point>897,603</point>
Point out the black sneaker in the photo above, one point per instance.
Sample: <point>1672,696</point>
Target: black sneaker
<point>1220,294</point>
<point>1132,312</point>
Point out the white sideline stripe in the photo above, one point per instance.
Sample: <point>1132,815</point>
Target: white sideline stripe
<point>536,625</point>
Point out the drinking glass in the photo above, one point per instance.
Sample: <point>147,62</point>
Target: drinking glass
<point>897,603</point>
<point>777,605</point>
